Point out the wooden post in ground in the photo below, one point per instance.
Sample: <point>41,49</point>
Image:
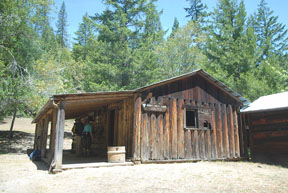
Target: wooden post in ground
<point>136,130</point>
<point>53,134</point>
<point>44,136</point>
<point>56,164</point>
<point>36,135</point>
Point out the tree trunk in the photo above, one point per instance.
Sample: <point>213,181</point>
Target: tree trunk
<point>12,123</point>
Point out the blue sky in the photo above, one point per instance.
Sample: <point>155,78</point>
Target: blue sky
<point>171,9</point>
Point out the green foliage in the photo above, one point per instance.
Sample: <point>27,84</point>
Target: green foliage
<point>124,48</point>
<point>61,33</point>
<point>181,53</point>
<point>197,11</point>
<point>271,35</point>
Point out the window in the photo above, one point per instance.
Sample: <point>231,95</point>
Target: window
<point>191,118</point>
<point>197,118</point>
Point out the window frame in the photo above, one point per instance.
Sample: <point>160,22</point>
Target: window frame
<point>195,109</point>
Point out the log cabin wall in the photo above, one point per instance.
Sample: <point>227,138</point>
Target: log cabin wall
<point>123,124</point>
<point>268,132</point>
<point>163,136</point>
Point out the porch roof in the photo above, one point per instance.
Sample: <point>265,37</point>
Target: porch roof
<point>81,103</point>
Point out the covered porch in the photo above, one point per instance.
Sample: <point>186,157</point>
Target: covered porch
<point>112,120</point>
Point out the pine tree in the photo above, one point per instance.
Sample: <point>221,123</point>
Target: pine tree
<point>174,28</point>
<point>271,36</point>
<point>123,27</point>
<point>84,35</point>
<point>231,47</point>
<point>197,11</point>
<point>61,33</point>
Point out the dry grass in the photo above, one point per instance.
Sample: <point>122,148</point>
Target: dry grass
<point>19,174</point>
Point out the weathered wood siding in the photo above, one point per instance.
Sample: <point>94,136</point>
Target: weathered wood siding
<point>269,135</point>
<point>123,125</point>
<point>163,136</point>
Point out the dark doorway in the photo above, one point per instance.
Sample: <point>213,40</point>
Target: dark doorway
<point>111,127</point>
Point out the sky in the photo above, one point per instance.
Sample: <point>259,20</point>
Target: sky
<point>171,9</point>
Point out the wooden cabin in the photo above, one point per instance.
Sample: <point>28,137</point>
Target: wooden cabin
<point>267,121</point>
<point>187,118</point>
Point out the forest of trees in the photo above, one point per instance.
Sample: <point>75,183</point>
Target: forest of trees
<point>125,47</point>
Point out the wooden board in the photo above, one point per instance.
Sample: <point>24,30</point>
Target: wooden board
<point>226,134</point>
<point>214,134</point>
<point>237,143</point>
<point>153,133</point>
<point>180,131</point>
<point>136,129</point>
<point>167,134</point>
<point>145,142</point>
<point>232,137</point>
<point>188,138</point>
<point>173,137</point>
<point>219,132</point>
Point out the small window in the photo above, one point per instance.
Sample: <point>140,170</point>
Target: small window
<point>191,118</point>
<point>206,125</point>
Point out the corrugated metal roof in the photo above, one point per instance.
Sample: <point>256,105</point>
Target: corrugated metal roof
<point>270,102</point>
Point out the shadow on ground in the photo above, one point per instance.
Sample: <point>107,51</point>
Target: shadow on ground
<point>39,164</point>
<point>279,160</point>
<point>20,142</point>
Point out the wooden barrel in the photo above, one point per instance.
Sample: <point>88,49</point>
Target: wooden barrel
<point>116,154</point>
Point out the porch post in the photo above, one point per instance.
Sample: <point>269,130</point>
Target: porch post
<point>44,136</point>
<point>58,151</point>
<point>36,135</point>
<point>137,130</point>
<point>52,134</point>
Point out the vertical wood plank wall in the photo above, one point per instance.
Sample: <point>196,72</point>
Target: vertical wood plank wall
<point>164,137</point>
<point>123,133</point>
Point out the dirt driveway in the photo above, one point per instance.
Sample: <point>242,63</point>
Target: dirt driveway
<point>19,174</point>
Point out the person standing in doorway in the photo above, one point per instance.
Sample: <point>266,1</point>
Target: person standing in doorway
<point>87,138</point>
<point>77,130</point>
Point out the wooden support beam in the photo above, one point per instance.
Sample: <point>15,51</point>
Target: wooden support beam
<point>236,126</point>
<point>232,133</point>
<point>39,137</point>
<point>219,132</point>
<point>44,136</point>
<point>53,134</point>
<point>58,150</point>
<point>36,135</point>
<point>180,130</point>
<point>173,139</point>
<point>214,130</point>
<point>137,129</point>
<point>226,133</point>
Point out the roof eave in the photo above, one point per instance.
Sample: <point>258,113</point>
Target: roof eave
<point>264,110</point>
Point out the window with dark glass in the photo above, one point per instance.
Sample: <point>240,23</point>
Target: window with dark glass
<point>191,118</point>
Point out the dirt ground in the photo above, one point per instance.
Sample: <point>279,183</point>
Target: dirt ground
<point>19,174</point>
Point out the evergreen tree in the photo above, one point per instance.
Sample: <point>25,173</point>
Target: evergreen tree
<point>271,35</point>
<point>174,27</point>
<point>231,46</point>
<point>84,34</point>
<point>61,33</point>
<point>197,11</point>
<point>181,54</point>
<point>123,27</point>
